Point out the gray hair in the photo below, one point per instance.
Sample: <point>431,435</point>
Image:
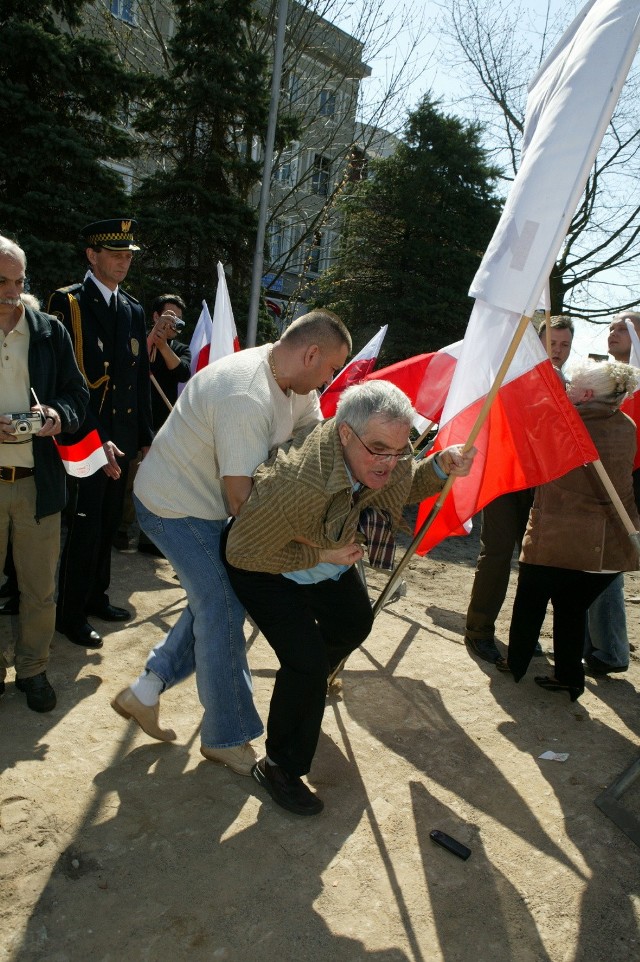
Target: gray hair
<point>9,248</point>
<point>381,399</point>
<point>610,381</point>
<point>30,300</point>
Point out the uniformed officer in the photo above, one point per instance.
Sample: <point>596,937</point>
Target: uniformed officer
<point>107,329</point>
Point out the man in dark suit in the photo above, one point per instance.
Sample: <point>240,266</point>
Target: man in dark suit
<point>107,329</point>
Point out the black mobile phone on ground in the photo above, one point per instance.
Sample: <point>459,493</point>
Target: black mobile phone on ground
<point>450,843</point>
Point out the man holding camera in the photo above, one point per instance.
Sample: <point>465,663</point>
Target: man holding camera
<point>109,338</point>
<point>37,362</point>
<point>169,358</point>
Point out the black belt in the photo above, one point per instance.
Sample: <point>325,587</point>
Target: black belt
<point>9,475</point>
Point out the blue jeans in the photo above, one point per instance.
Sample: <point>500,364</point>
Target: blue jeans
<point>208,637</point>
<point>607,626</point>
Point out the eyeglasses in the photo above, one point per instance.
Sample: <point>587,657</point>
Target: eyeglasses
<point>383,458</point>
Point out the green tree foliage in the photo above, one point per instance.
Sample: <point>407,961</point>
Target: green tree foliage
<point>63,98</point>
<point>201,119</point>
<point>414,233</point>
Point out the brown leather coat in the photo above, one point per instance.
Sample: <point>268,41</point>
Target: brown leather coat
<point>572,522</point>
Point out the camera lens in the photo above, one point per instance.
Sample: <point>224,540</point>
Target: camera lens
<point>23,427</point>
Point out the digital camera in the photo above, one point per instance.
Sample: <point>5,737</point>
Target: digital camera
<point>28,423</point>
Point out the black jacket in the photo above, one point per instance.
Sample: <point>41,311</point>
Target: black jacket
<point>168,381</point>
<point>58,383</point>
<point>113,358</point>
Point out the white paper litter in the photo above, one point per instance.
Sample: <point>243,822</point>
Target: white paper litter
<point>554,756</point>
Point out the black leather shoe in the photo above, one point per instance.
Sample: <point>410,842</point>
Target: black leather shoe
<point>109,613</point>
<point>2,686</point>
<point>484,648</point>
<point>288,791</point>
<point>82,634</point>
<point>10,606</point>
<point>40,694</point>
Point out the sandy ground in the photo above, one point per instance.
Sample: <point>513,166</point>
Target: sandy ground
<point>115,847</point>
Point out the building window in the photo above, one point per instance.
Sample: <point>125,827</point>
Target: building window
<point>320,175</point>
<point>286,171</point>
<point>357,165</point>
<point>277,241</point>
<point>123,10</point>
<point>313,252</point>
<point>327,103</point>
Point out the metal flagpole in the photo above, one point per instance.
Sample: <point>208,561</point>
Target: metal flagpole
<point>265,189</point>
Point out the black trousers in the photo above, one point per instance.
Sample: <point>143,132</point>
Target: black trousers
<point>93,516</point>
<point>311,628</point>
<point>504,521</point>
<point>571,593</point>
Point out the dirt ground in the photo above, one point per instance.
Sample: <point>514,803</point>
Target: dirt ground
<point>117,848</point>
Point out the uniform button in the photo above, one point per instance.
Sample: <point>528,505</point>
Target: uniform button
<point>129,410</point>
<point>114,411</point>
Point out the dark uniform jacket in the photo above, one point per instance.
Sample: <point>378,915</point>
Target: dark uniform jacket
<point>112,355</point>
<point>57,382</point>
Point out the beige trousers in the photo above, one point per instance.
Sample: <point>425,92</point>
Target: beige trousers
<point>36,546</point>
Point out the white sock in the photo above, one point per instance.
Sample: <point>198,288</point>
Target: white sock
<point>147,688</point>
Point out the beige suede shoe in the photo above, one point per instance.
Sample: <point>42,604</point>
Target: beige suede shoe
<point>127,705</point>
<point>240,758</point>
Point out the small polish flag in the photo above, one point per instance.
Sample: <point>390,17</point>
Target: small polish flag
<point>354,372</point>
<point>83,458</point>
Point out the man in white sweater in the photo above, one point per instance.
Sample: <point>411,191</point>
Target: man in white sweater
<point>199,472</point>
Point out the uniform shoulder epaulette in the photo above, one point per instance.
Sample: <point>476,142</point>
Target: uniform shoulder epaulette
<point>129,297</point>
<point>71,289</point>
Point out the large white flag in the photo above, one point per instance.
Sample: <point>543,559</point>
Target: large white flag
<point>570,103</point>
<point>224,336</point>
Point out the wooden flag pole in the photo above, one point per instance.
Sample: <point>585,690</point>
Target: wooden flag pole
<point>607,484</point>
<point>161,392</point>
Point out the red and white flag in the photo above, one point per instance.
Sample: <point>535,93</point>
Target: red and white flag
<point>631,405</point>
<point>201,340</point>
<point>533,433</point>
<point>224,336</point>
<point>425,379</point>
<point>217,337</point>
<point>83,458</point>
<point>353,373</point>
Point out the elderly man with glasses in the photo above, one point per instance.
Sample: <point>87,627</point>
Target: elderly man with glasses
<point>291,554</point>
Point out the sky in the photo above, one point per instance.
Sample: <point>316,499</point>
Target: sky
<point>437,75</point>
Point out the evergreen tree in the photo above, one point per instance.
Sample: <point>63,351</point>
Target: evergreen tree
<point>201,120</point>
<point>63,97</point>
<point>414,233</point>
